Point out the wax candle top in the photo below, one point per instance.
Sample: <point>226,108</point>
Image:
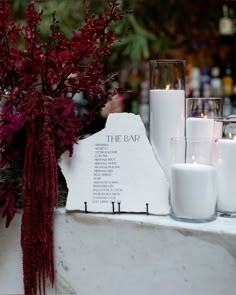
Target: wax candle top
<point>192,166</point>
<point>200,119</point>
<point>167,89</point>
<point>229,141</point>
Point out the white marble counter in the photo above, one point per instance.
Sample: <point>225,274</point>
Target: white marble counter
<point>130,254</point>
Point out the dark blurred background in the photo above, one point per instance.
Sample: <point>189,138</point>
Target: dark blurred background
<point>201,32</point>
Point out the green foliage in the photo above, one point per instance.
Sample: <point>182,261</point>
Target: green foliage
<point>138,43</point>
<point>135,43</point>
<point>154,27</point>
<point>68,13</point>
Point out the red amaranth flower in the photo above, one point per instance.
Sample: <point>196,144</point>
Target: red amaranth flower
<point>8,207</point>
<point>11,121</point>
<point>66,124</point>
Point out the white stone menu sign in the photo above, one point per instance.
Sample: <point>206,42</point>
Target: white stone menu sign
<point>115,170</point>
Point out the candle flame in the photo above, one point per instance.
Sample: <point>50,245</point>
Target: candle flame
<point>203,116</point>
<point>231,136</point>
<point>167,86</point>
<point>194,160</point>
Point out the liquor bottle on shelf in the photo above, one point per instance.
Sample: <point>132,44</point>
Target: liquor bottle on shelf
<point>227,107</point>
<point>227,82</point>
<point>226,25</point>
<point>226,40</point>
<point>195,82</point>
<point>204,68</point>
<point>227,86</point>
<point>215,83</point>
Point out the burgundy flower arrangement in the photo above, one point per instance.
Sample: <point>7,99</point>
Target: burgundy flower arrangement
<point>38,120</point>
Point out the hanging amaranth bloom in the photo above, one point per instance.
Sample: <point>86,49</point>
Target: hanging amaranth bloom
<point>38,119</point>
<point>8,206</point>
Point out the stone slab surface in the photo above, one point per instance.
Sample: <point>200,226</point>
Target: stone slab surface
<point>130,254</point>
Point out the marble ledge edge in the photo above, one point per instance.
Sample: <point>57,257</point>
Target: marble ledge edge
<point>222,225</point>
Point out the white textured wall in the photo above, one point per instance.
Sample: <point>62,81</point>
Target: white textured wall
<point>130,254</point>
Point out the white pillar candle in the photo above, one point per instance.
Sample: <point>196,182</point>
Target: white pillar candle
<point>193,193</point>
<point>167,120</point>
<point>203,128</point>
<point>225,163</point>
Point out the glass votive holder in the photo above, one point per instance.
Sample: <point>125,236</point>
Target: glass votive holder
<point>193,180</point>
<point>229,126</point>
<point>167,106</point>
<point>204,117</point>
<point>225,164</point>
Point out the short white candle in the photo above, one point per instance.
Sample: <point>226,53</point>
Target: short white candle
<point>166,121</point>
<point>203,128</point>
<point>193,193</point>
<point>226,172</point>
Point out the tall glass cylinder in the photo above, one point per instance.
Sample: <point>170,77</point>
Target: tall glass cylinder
<point>167,107</point>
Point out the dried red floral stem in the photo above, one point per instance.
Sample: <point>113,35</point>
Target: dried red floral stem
<point>44,74</point>
<point>39,197</point>
<point>80,58</point>
<point>8,207</point>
